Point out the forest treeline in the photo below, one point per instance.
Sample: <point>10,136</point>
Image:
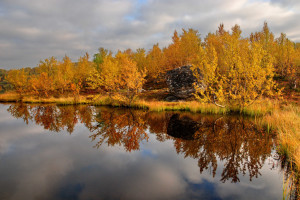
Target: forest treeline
<point>234,69</point>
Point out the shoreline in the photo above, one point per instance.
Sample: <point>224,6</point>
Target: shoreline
<point>262,107</point>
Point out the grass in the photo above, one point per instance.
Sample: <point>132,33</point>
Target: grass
<point>286,122</point>
<point>13,97</point>
<point>260,108</point>
<point>192,106</point>
<point>9,97</point>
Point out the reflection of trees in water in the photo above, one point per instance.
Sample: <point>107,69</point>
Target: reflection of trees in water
<point>20,111</point>
<point>125,128</point>
<point>234,141</point>
<point>54,118</point>
<point>158,124</point>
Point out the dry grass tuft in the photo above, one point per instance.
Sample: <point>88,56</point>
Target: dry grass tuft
<point>286,122</point>
<point>9,97</point>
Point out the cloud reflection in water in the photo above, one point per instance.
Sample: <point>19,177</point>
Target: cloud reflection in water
<point>133,156</point>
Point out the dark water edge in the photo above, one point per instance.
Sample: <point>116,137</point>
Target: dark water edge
<point>87,152</point>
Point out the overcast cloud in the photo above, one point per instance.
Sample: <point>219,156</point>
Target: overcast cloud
<point>33,30</point>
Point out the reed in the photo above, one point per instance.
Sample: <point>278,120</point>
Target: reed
<point>191,106</point>
<point>261,107</point>
<point>286,122</point>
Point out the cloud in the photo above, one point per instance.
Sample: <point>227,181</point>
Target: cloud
<point>33,30</point>
<point>292,4</point>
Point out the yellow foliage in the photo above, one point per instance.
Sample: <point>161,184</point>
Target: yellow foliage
<point>42,85</point>
<point>64,75</point>
<point>183,49</point>
<point>140,58</point>
<point>246,72</point>
<point>117,74</point>
<point>82,72</point>
<point>155,62</point>
<point>19,79</point>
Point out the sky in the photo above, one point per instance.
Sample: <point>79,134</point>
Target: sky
<point>34,30</point>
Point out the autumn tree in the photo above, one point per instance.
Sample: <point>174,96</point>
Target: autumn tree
<point>117,74</point>
<point>129,52</point>
<point>190,44</point>
<point>107,77</point>
<point>297,65</point>
<point>42,83</point>
<point>64,75</point>
<point>83,69</point>
<point>266,38</point>
<point>183,49</point>
<point>19,80</point>
<point>99,57</point>
<point>173,53</point>
<point>48,66</point>
<point>246,73</point>
<point>140,58</point>
<point>155,62</point>
<point>216,41</point>
<point>286,59</point>
<point>132,79</point>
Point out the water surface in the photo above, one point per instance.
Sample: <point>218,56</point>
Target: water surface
<point>86,152</point>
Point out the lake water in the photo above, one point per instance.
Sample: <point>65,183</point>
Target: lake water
<point>86,152</point>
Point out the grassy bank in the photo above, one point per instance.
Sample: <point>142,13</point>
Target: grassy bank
<point>158,106</point>
<point>13,97</point>
<point>286,122</point>
<point>104,100</point>
<point>261,107</point>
